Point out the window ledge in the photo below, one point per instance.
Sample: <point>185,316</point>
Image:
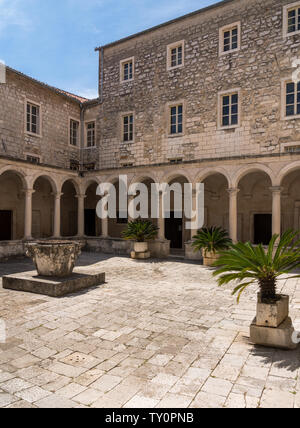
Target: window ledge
<point>126,81</point>
<point>229,52</point>
<point>291,34</point>
<point>175,68</point>
<point>228,128</point>
<point>32,134</point>
<point>175,135</point>
<point>297,116</point>
<point>74,147</point>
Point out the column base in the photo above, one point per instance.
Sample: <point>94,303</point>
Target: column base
<point>280,337</point>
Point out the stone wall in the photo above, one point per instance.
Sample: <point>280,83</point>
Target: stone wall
<point>257,68</point>
<point>53,146</point>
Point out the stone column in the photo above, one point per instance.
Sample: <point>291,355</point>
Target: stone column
<point>194,205</point>
<point>161,220</point>
<point>28,213</point>
<point>80,229</point>
<point>57,215</point>
<point>104,227</point>
<point>297,215</point>
<point>276,210</point>
<point>233,215</point>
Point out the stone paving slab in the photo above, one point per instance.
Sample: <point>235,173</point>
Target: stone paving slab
<point>157,334</point>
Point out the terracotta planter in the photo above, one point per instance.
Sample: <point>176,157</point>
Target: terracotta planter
<point>141,247</point>
<point>209,258</point>
<point>54,258</point>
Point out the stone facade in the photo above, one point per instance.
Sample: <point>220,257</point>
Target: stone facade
<point>251,170</point>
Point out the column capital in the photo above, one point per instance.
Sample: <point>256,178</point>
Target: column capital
<point>81,196</point>
<point>29,192</point>
<point>233,191</point>
<point>276,189</point>
<point>57,195</point>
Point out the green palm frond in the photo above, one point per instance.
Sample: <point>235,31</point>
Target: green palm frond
<point>245,261</point>
<point>213,239</point>
<point>140,231</point>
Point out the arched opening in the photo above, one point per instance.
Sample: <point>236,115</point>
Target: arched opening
<point>69,209</point>
<point>216,201</point>
<point>290,201</point>
<point>12,206</point>
<point>175,222</point>
<point>42,209</point>
<point>92,224</point>
<point>255,208</point>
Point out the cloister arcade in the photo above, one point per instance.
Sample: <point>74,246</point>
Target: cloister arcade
<point>251,202</point>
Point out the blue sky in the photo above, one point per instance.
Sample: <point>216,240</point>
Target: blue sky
<point>54,40</point>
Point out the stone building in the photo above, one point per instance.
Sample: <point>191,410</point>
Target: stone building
<point>209,97</point>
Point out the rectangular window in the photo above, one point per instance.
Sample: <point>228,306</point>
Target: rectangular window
<point>74,132</point>
<point>293,18</point>
<point>90,134</point>
<point>175,55</point>
<point>128,128</point>
<point>292,99</point>
<point>176,119</point>
<point>33,118</point>
<point>33,159</point>
<point>230,109</point>
<point>74,165</point>
<point>230,39</point>
<point>127,70</point>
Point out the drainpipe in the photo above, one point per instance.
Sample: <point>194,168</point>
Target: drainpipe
<point>101,68</point>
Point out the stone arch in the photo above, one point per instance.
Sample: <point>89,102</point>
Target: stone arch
<point>92,224</point>
<point>207,172</point>
<point>294,166</point>
<point>248,169</point>
<point>69,207</point>
<point>171,176</point>
<point>45,188</point>
<point>75,183</point>
<point>19,172</point>
<point>87,183</point>
<point>47,177</point>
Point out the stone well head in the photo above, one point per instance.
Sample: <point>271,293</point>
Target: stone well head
<point>54,258</point>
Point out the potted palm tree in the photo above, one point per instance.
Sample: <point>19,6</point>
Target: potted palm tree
<point>246,264</point>
<point>140,231</point>
<point>210,241</point>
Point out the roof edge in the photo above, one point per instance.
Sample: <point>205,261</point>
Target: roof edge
<point>165,24</point>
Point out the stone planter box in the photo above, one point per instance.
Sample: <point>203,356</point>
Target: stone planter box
<point>141,251</point>
<point>272,315</point>
<point>209,258</point>
<point>54,258</point>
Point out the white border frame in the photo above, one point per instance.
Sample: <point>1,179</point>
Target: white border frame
<point>86,122</point>
<point>69,134</point>
<point>284,81</point>
<point>168,118</point>
<point>122,115</point>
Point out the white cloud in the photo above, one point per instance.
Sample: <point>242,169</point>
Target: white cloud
<point>11,14</point>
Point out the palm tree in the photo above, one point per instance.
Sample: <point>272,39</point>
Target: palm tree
<point>245,261</point>
<point>211,240</point>
<point>140,231</point>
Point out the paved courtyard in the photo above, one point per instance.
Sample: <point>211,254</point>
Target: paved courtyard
<point>157,334</point>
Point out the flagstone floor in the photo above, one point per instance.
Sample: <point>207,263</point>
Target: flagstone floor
<point>157,334</point>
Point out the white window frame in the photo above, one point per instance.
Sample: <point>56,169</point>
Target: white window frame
<point>123,115</point>
<point>69,133</point>
<point>39,125</point>
<point>33,156</point>
<point>169,54</point>
<point>285,13</point>
<point>221,95</point>
<point>86,123</point>
<point>283,101</point>
<point>122,64</point>
<point>222,31</point>
<point>283,146</point>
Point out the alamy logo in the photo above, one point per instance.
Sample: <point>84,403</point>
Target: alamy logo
<point>2,331</point>
<point>296,73</point>
<point>187,203</point>
<point>2,72</point>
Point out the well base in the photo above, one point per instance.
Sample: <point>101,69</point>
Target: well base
<point>140,256</point>
<point>31,282</point>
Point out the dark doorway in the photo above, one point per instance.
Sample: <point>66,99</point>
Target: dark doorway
<point>6,225</point>
<point>262,229</point>
<point>173,231</point>
<point>90,222</point>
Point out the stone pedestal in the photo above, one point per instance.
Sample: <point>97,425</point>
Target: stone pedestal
<point>272,326</point>
<point>190,253</point>
<point>280,337</point>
